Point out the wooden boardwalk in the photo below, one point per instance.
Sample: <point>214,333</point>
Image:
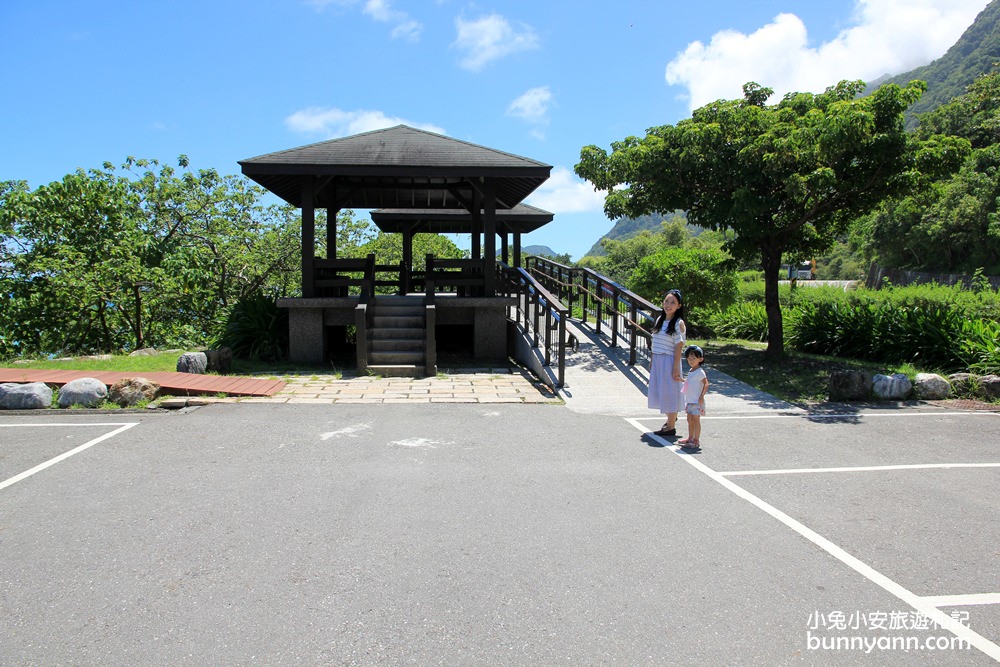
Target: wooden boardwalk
<point>176,384</point>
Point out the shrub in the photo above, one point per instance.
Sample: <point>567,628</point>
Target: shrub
<point>746,320</point>
<point>702,274</point>
<point>256,329</point>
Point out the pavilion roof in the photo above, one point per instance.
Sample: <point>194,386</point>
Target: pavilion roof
<point>397,167</point>
<point>520,219</point>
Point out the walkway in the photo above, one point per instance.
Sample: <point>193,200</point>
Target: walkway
<point>600,381</point>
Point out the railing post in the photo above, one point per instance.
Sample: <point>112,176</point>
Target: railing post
<point>614,316</point>
<point>633,318</point>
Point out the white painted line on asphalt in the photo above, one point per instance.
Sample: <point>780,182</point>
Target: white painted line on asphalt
<point>914,466</point>
<point>962,600</point>
<point>65,455</point>
<point>930,611</point>
<point>845,415</point>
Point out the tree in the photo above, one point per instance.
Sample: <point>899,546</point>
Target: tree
<point>950,225</point>
<point>106,260</point>
<point>786,179</point>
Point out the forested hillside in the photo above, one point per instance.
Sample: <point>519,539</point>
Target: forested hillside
<point>947,77</point>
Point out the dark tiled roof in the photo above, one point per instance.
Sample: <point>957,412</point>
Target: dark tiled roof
<point>521,219</point>
<point>398,167</point>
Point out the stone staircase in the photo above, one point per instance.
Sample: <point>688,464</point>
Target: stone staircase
<point>397,337</point>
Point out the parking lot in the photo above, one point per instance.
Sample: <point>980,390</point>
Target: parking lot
<point>497,535</point>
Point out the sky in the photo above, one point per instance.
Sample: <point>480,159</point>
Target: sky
<point>86,83</point>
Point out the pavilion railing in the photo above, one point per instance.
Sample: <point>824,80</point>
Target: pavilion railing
<point>540,313</point>
<point>617,312</point>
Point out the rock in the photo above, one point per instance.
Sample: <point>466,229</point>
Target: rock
<point>990,385</point>
<point>144,352</point>
<point>850,385</point>
<point>192,362</point>
<point>88,392</point>
<point>130,391</point>
<point>895,387</point>
<point>963,383</point>
<point>29,396</point>
<point>220,360</point>
<point>931,387</point>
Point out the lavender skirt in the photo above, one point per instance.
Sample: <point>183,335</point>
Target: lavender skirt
<point>664,393</point>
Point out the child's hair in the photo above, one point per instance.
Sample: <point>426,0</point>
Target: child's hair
<point>678,314</point>
<point>696,351</point>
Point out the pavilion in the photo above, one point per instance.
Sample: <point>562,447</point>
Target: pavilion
<point>418,182</point>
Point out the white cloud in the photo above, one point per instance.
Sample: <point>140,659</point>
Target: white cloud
<point>331,122</point>
<point>533,105</point>
<point>381,11</point>
<point>888,36</point>
<point>490,38</point>
<point>565,193</point>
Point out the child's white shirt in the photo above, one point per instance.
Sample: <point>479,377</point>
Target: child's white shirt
<point>693,384</point>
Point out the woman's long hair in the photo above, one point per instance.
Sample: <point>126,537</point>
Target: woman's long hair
<point>678,314</point>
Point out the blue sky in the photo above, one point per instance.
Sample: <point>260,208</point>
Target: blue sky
<point>224,80</point>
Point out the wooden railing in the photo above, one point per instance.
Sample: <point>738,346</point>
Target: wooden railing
<point>622,314</point>
<point>540,313</point>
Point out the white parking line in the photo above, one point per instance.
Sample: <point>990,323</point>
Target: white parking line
<point>962,600</point>
<point>915,601</point>
<point>913,466</point>
<point>65,455</point>
<point>839,415</point>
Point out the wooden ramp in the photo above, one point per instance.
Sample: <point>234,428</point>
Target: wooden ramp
<point>176,384</point>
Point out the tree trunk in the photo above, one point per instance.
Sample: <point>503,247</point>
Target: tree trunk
<point>771,262</point>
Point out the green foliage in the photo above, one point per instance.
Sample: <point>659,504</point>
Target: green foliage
<point>980,346</point>
<point>256,329</point>
<point>111,259</point>
<point>703,276</point>
<point>949,225</point>
<point>746,320</point>
<point>784,179</point>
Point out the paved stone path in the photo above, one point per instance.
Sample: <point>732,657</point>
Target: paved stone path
<point>485,385</point>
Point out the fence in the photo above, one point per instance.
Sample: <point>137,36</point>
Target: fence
<point>617,313</point>
<point>878,274</point>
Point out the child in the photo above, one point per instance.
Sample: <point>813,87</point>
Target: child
<point>694,388</point>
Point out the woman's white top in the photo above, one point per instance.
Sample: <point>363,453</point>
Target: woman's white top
<point>664,343</point>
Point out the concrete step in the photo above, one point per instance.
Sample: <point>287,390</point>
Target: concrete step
<point>397,344</point>
<point>389,322</point>
<point>398,371</point>
<point>390,332</point>
<point>395,358</point>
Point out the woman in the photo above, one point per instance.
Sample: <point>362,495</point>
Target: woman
<point>665,379</point>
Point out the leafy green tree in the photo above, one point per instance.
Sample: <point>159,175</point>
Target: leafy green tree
<point>785,179</point>
<point>950,225</point>
<point>106,260</point>
<point>704,275</point>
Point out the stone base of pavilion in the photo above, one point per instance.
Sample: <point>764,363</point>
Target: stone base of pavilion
<point>312,323</point>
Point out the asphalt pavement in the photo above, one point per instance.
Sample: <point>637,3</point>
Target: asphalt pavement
<point>501,534</point>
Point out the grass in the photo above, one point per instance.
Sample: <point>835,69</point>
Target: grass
<point>167,363</point>
<point>799,378</point>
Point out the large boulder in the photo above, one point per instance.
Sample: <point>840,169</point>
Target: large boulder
<point>850,385</point>
<point>220,360</point>
<point>29,396</point>
<point>990,385</point>
<point>931,387</point>
<point>192,362</point>
<point>88,392</point>
<point>895,387</point>
<point>130,391</point>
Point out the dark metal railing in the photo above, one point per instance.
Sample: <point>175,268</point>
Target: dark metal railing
<point>540,313</point>
<point>622,314</point>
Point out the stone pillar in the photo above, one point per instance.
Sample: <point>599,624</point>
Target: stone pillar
<point>306,344</point>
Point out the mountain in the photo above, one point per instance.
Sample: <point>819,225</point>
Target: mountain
<point>626,228</point>
<point>975,53</point>
<point>542,250</point>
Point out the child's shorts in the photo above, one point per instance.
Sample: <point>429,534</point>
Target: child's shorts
<point>694,409</point>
